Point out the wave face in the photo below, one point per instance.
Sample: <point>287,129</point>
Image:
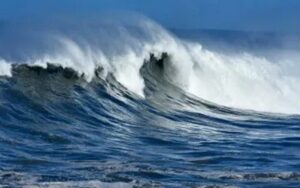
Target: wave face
<point>124,102</point>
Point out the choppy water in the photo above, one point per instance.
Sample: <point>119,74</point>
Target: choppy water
<point>147,125</point>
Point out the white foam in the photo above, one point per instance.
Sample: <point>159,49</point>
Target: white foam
<point>245,81</point>
<point>89,184</point>
<point>5,68</point>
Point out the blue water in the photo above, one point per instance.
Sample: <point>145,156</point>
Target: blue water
<point>64,131</point>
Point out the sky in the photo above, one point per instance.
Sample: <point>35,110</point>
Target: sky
<point>247,15</point>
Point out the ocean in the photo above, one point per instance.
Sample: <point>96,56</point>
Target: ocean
<point>123,103</point>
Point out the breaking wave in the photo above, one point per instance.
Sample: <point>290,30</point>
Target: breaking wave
<point>240,80</point>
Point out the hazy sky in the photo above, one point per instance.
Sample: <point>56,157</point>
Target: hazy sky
<point>266,15</point>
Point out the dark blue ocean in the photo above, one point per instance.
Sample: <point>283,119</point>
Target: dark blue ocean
<point>158,108</point>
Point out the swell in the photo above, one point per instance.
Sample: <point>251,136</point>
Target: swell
<point>239,80</point>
